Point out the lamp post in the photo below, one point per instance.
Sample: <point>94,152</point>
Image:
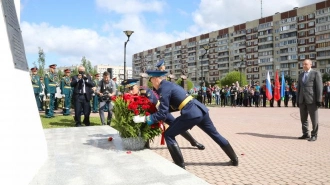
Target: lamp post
<point>128,34</point>
<point>206,48</point>
<point>240,72</point>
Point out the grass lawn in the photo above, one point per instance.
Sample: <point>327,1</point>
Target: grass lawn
<point>60,121</point>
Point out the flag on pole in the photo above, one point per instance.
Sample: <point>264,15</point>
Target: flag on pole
<point>283,86</point>
<point>277,95</point>
<point>268,88</point>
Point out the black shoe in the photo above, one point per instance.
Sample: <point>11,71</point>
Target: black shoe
<point>313,138</point>
<point>199,146</point>
<point>78,125</point>
<point>304,137</point>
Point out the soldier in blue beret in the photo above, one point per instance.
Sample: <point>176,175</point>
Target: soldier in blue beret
<point>153,97</point>
<point>37,88</point>
<point>51,82</point>
<point>192,113</point>
<point>161,65</point>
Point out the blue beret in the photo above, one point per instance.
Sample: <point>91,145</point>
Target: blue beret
<point>156,73</point>
<point>129,82</point>
<point>160,63</point>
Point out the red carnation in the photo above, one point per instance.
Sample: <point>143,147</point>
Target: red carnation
<point>147,113</point>
<point>136,112</point>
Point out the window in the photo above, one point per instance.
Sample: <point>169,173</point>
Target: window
<point>311,48</point>
<point>301,25</point>
<point>311,39</point>
<point>301,18</point>
<point>301,41</point>
<point>302,57</point>
<point>310,16</point>
<point>311,31</point>
<point>312,55</point>
<point>302,49</point>
<point>311,24</point>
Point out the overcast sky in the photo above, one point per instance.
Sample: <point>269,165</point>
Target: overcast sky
<point>67,30</point>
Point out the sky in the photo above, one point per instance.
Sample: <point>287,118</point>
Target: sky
<point>68,30</point>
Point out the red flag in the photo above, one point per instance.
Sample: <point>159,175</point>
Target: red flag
<point>277,94</point>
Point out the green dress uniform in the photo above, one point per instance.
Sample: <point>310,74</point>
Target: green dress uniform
<point>95,97</point>
<point>67,92</point>
<point>51,82</point>
<point>37,88</point>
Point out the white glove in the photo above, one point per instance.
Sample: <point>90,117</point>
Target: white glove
<point>41,94</point>
<point>139,119</point>
<point>48,95</point>
<point>63,95</point>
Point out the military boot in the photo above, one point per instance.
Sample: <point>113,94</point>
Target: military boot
<point>176,155</point>
<point>231,154</point>
<point>192,141</point>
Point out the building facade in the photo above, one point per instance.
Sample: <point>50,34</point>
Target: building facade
<point>117,71</point>
<point>278,42</point>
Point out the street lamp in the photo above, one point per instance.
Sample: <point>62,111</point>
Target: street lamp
<point>128,34</point>
<point>240,71</point>
<point>206,48</point>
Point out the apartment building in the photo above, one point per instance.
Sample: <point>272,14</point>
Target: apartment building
<point>275,43</point>
<point>117,71</point>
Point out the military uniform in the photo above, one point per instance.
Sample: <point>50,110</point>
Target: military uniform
<point>154,98</point>
<point>66,92</point>
<point>42,93</point>
<point>95,97</point>
<point>51,82</point>
<point>37,88</point>
<point>193,113</point>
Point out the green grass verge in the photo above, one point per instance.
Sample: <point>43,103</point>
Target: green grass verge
<point>60,121</point>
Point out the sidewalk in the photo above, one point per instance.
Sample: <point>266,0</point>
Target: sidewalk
<point>265,140</point>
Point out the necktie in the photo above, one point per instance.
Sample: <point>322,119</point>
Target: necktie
<point>305,76</point>
<point>80,84</point>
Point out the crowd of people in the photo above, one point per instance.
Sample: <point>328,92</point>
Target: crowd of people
<point>253,95</point>
<point>83,92</point>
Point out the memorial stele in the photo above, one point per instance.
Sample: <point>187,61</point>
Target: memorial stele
<point>23,148</point>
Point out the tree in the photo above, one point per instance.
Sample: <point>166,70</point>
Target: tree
<point>232,77</point>
<point>88,66</point>
<point>325,77</point>
<point>74,72</point>
<point>190,84</point>
<point>60,74</point>
<point>41,62</point>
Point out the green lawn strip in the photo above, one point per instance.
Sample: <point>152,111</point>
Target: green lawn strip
<point>60,121</point>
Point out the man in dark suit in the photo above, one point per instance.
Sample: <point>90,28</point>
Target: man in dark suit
<point>309,98</point>
<point>82,92</point>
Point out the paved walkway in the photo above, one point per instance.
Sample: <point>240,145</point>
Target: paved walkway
<point>265,140</point>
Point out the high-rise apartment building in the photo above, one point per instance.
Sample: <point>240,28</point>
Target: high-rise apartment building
<point>278,42</point>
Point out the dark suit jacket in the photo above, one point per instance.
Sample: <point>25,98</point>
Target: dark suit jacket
<point>311,91</point>
<point>88,87</point>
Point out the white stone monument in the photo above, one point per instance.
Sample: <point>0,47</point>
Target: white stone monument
<point>23,148</point>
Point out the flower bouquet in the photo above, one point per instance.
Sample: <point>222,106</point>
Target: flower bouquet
<point>127,106</point>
